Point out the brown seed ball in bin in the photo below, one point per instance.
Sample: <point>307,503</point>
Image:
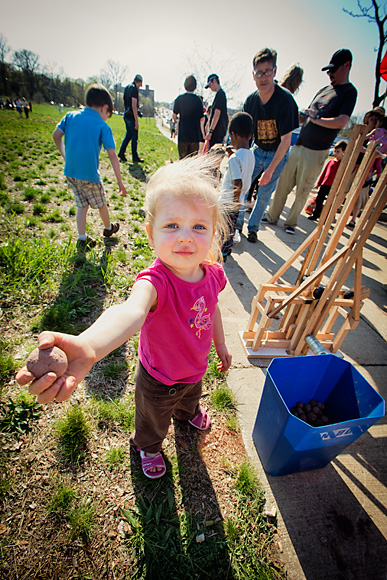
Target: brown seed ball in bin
<point>316,410</point>
<point>42,361</point>
<point>307,408</point>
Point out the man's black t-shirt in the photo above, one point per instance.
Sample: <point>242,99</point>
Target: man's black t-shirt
<point>189,107</point>
<point>219,102</point>
<point>273,119</point>
<point>329,102</point>
<point>131,91</point>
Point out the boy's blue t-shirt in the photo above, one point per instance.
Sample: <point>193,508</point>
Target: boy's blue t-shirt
<point>85,133</point>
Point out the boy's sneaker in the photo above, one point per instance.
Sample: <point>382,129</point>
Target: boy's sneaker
<point>122,158</point>
<point>290,230</point>
<point>237,237</point>
<point>252,237</point>
<point>114,229</point>
<point>86,244</point>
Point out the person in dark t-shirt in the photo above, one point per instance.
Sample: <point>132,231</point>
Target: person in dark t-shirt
<point>131,104</point>
<point>188,109</point>
<point>275,115</point>
<point>217,127</point>
<point>329,112</point>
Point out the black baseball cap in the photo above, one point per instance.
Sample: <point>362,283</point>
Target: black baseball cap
<point>339,58</point>
<point>211,77</point>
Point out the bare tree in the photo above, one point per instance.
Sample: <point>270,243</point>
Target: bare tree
<point>378,14</point>
<point>4,50</point>
<point>28,62</point>
<point>201,63</point>
<point>113,76</point>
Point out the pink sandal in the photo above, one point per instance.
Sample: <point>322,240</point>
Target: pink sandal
<point>201,419</point>
<point>148,463</point>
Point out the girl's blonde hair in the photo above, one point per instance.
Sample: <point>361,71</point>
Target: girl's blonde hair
<point>191,179</point>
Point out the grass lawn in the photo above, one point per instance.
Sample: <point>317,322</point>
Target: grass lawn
<point>73,500</point>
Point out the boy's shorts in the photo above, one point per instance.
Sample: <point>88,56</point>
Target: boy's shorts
<point>87,193</point>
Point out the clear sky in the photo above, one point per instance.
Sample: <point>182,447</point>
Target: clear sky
<point>164,41</point>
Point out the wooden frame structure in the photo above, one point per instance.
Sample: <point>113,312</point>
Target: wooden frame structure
<point>306,308</point>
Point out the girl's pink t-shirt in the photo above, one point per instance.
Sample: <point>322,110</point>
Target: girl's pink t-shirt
<point>176,337</point>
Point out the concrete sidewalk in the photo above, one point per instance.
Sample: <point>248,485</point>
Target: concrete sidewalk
<point>332,522</point>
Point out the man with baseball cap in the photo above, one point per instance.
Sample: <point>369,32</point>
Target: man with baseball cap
<point>131,115</point>
<point>329,112</point>
<point>217,126</point>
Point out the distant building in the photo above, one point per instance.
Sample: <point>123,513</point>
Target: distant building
<point>148,93</point>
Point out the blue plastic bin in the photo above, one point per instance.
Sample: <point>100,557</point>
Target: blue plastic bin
<point>287,444</point>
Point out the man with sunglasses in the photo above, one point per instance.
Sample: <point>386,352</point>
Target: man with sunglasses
<point>329,112</point>
<point>275,115</point>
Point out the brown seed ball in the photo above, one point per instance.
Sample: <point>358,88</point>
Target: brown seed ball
<point>312,402</point>
<point>299,404</point>
<point>302,417</point>
<point>316,410</point>
<point>318,423</point>
<point>293,410</point>
<point>42,361</point>
<point>311,416</point>
<point>307,408</point>
<point>321,405</point>
<point>324,419</point>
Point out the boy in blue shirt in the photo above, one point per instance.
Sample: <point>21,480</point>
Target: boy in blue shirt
<point>84,134</point>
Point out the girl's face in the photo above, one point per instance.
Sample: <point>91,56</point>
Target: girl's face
<point>181,235</point>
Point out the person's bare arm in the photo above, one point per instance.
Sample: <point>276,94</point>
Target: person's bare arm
<point>279,155</point>
<point>219,342</point>
<point>58,140</point>
<point>329,123</point>
<point>117,171</point>
<point>214,122</point>
<point>237,190</point>
<point>135,112</point>
<point>115,326</point>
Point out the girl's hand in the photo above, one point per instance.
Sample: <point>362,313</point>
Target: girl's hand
<point>81,358</point>
<point>225,358</point>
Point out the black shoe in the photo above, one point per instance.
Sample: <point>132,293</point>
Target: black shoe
<point>252,237</point>
<point>122,158</point>
<point>290,230</point>
<point>312,218</point>
<point>114,229</point>
<point>265,220</point>
<point>138,160</point>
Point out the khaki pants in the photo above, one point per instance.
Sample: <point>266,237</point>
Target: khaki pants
<point>302,169</point>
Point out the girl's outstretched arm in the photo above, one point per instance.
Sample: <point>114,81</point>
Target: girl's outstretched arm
<point>114,327</point>
<point>219,342</point>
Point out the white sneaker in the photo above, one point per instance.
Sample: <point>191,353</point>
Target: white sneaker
<point>237,237</point>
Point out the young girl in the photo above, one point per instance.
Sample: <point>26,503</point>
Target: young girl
<point>175,304</point>
<point>379,134</point>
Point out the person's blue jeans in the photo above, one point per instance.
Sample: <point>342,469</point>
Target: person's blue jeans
<point>262,162</point>
<point>131,135</point>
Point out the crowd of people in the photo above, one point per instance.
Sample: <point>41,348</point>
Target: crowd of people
<point>20,105</point>
<point>189,225</point>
